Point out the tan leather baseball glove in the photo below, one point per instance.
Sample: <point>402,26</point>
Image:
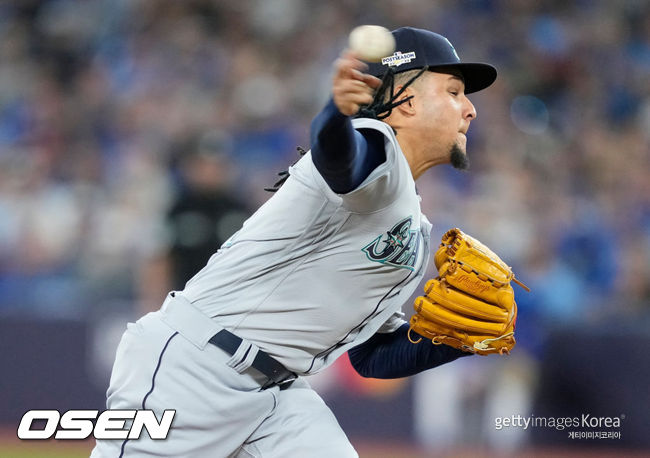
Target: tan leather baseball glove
<point>471,304</point>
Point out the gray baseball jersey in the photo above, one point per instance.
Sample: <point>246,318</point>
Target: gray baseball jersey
<point>313,273</point>
<point>308,276</point>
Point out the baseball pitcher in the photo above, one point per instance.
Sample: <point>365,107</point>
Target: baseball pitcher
<point>323,268</point>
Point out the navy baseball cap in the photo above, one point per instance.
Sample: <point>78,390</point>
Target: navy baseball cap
<point>416,48</point>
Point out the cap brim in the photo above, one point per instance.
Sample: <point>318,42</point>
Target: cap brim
<point>477,76</point>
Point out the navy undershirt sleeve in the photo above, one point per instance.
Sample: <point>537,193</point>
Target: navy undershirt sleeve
<point>392,355</point>
<point>342,155</point>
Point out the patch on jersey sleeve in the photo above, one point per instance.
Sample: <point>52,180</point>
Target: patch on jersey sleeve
<point>399,247</point>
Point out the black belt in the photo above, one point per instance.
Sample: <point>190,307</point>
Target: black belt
<point>274,370</point>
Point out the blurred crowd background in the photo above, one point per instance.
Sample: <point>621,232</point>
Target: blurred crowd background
<point>137,135</point>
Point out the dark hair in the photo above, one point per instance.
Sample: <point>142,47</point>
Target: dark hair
<point>284,175</point>
<point>381,108</point>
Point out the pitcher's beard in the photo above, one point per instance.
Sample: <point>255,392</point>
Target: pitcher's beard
<point>458,158</point>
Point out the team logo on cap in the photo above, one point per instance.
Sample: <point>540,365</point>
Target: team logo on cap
<point>398,59</point>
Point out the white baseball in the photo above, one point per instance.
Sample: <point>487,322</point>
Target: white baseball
<point>371,42</point>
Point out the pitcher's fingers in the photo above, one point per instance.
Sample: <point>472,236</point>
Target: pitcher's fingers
<point>356,98</point>
<point>361,98</point>
<point>358,63</point>
<point>349,67</point>
<point>371,81</point>
<point>346,86</point>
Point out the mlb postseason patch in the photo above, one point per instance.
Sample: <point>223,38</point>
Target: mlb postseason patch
<point>398,59</point>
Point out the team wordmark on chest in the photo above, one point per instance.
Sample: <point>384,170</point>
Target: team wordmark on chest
<point>399,247</point>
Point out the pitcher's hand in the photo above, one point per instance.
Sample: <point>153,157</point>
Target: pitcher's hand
<point>351,87</point>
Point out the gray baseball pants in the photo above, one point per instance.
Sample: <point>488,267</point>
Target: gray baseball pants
<point>164,361</point>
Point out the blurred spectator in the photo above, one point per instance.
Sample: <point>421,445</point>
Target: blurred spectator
<point>205,212</point>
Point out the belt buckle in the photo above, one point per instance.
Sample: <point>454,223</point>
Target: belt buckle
<point>292,378</point>
<point>287,382</point>
<point>283,384</point>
